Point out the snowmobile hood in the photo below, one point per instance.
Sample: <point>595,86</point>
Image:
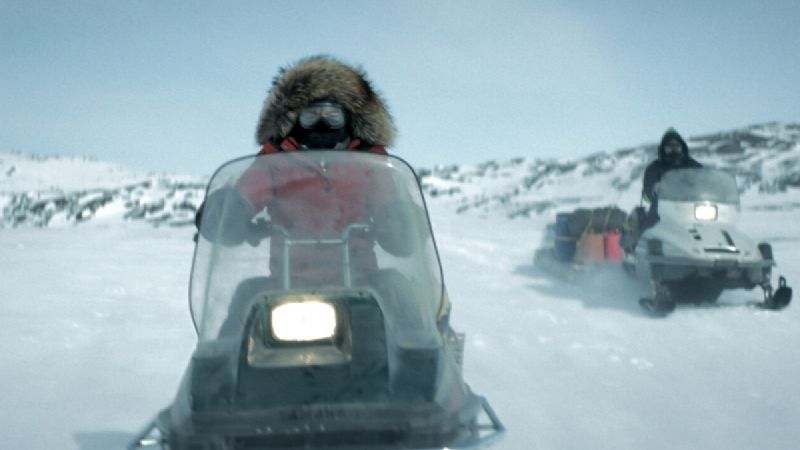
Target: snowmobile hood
<point>698,210</point>
<point>323,77</point>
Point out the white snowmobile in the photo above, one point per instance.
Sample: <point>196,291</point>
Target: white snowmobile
<point>357,358</point>
<point>694,250</point>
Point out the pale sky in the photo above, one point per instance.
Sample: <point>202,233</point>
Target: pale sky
<point>177,86</point>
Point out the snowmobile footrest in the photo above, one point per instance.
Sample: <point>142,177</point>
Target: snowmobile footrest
<point>147,438</point>
<point>487,434</point>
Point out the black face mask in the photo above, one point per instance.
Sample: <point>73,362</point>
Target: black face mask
<point>322,136</point>
<point>673,159</point>
<point>673,153</point>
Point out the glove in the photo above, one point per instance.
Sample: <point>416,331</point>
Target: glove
<point>225,217</point>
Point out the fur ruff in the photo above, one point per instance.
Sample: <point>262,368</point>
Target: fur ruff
<point>321,77</point>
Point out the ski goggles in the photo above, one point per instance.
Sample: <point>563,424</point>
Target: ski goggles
<point>331,113</point>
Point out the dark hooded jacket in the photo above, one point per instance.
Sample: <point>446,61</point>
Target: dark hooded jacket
<point>318,202</point>
<point>657,168</point>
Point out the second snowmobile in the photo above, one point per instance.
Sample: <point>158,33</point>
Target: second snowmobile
<point>325,352</point>
<point>695,251</point>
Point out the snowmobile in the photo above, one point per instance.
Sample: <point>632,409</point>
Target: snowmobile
<point>694,251</point>
<point>340,356</point>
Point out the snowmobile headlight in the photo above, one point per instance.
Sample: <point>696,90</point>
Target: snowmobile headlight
<point>705,212</point>
<point>303,321</point>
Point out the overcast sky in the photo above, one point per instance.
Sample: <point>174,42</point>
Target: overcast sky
<point>177,86</point>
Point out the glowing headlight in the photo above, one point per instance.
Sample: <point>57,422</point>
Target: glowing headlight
<point>303,321</point>
<point>705,212</point>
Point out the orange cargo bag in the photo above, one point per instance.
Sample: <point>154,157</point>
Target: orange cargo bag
<point>613,249</point>
<point>592,248</point>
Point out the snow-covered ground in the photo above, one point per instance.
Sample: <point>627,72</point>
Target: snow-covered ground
<point>95,328</point>
<point>578,366</point>
<point>96,334</point>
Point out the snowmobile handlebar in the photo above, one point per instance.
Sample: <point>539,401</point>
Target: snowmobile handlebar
<point>343,241</point>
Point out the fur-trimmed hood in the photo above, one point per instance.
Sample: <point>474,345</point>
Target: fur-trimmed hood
<point>323,77</point>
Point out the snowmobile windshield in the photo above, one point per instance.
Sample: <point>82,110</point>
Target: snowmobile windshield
<point>698,184</point>
<point>300,221</point>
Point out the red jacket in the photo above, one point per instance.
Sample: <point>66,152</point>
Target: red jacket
<point>314,202</point>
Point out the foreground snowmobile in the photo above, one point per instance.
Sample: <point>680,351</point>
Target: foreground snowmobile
<point>695,251</point>
<point>351,359</point>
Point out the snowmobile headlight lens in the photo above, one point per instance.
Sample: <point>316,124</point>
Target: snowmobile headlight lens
<point>303,321</point>
<point>705,212</point>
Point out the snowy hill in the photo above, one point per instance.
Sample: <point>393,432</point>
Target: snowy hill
<point>766,159</point>
<point>22,172</point>
<point>46,191</point>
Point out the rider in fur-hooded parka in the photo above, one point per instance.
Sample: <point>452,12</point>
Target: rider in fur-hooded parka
<point>323,78</point>
<point>319,200</point>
